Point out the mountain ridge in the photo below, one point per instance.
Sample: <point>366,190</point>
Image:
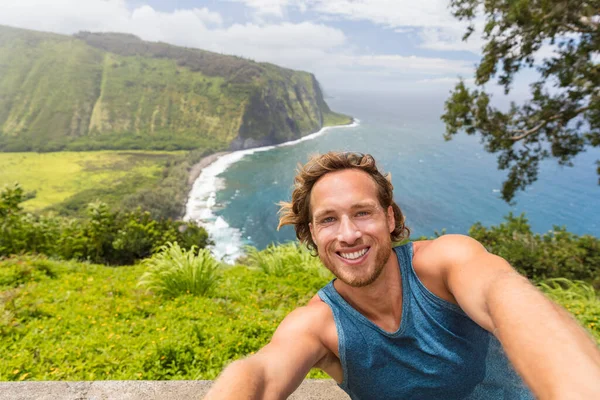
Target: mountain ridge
<point>95,91</point>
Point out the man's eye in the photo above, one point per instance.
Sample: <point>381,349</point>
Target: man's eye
<point>327,220</point>
<point>363,213</point>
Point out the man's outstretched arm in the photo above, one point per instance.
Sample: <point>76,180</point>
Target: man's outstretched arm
<point>556,357</point>
<point>277,369</point>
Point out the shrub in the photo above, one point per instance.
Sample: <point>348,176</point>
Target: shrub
<point>103,236</point>
<point>284,259</point>
<point>175,271</point>
<point>15,272</point>
<point>556,254</point>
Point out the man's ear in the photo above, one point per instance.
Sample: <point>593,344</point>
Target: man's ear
<point>310,226</point>
<point>390,219</point>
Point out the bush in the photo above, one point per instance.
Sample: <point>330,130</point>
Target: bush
<point>556,254</point>
<point>103,236</point>
<point>175,271</point>
<point>15,272</point>
<point>284,259</point>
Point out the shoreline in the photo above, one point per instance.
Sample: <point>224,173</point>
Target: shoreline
<point>206,161</point>
<point>202,199</point>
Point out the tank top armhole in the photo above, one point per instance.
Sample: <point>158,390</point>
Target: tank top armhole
<point>340,332</point>
<point>405,256</point>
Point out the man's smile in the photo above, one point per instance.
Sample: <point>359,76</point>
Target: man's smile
<point>354,255</point>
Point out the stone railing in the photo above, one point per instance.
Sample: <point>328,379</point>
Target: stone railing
<point>144,390</point>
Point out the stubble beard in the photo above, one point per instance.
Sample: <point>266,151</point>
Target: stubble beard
<point>381,258</point>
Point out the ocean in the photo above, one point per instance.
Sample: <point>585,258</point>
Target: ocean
<point>438,184</point>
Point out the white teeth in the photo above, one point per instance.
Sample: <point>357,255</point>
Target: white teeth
<point>354,255</point>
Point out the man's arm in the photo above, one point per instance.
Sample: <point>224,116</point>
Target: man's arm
<point>555,356</point>
<point>277,369</point>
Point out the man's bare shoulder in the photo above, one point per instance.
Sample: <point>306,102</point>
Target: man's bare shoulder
<point>433,259</point>
<point>445,250</point>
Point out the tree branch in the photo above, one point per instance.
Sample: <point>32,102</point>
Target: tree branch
<point>528,132</point>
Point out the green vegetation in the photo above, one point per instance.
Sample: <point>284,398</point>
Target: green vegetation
<point>284,259</point>
<point>579,299</point>
<point>79,321</point>
<point>334,119</point>
<point>561,118</point>
<point>175,271</point>
<point>72,177</point>
<point>99,91</point>
<point>104,236</point>
<point>556,254</point>
<point>66,182</point>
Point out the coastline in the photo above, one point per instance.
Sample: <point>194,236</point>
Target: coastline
<point>197,168</point>
<point>202,199</point>
<point>206,161</point>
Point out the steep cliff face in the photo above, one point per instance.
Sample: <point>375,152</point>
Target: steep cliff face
<point>115,91</point>
<point>285,107</point>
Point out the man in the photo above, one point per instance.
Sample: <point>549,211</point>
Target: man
<point>433,319</point>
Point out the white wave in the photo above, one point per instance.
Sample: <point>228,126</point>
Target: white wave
<point>202,201</point>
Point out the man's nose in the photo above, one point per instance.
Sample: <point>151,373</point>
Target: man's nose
<point>348,232</point>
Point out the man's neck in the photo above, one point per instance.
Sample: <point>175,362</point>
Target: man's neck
<point>381,301</point>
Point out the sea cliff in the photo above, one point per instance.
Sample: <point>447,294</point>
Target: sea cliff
<point>95,91</point>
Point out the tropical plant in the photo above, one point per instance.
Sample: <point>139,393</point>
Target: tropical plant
<point>176,271</point>
<point>562,116</point>
<point>284,259</point>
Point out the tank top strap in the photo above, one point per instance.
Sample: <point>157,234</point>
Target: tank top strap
<point>404,253</point>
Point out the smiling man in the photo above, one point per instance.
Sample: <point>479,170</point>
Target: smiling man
<point>431,319</point>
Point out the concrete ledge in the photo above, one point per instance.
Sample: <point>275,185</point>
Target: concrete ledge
<point>144,390</point>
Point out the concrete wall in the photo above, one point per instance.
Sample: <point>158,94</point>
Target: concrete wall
<point>144,390</point>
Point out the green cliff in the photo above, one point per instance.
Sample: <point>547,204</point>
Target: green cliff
<point>96,91</point>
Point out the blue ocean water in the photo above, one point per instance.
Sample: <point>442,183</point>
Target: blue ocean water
<point>437,184</point>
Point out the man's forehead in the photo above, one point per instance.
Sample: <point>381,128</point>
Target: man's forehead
<point>350,187</point>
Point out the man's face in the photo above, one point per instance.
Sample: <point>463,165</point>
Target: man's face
<point>349,226</point>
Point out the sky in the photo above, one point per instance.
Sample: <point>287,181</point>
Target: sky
<point>385,45</point>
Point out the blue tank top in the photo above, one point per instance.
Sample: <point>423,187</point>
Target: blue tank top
<point>437,353</point>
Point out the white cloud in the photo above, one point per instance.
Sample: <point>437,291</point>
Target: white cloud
<point>311,46</point>
<point>409,64</point>
<point>204,14</point>
<point>430,19</point>
<point>450,39</point>
<point>446,80</point>
<point>391,13</point>
<point>266,7</point>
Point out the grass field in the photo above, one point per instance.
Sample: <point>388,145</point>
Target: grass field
<point>55,177</point>
<point>78,321</point>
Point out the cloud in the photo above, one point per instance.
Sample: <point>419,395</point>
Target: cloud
<point>311,46</point>
<point>70,16</point>
<point>446,80</point>
<point>450,39</point>
<point>410,64</point>
<point>431,20</point>
<point>391,13</point>
<point>266,7</point>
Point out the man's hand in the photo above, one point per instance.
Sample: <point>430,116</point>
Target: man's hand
<point>554,355</point>
<point>279,367</point>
